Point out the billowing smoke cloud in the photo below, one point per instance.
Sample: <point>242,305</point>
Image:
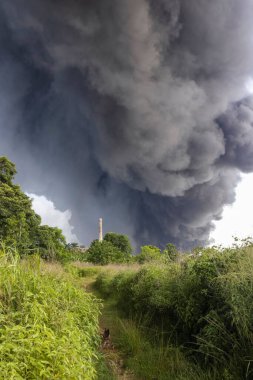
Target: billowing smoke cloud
<point>136,111</point>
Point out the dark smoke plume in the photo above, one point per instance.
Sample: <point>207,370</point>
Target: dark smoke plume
<point>134,110</point>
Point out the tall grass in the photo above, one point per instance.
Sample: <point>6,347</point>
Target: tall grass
<point>149,357</point>
<point>203,304</point>
<point>48,326</point>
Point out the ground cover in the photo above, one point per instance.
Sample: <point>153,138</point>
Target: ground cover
<point>48,324</point>
<point>195,313</point>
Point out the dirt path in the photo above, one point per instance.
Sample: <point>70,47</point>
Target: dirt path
<point>112,354</point>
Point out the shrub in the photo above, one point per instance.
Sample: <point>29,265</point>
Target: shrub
<point>171,252</point>
<point>149,253</point>
<point>119,241</point>
<point>104,253</point>
<point>104,283</point>
<point>204,302</point>
<point>48,325</point>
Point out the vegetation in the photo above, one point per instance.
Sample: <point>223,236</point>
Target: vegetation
<point>202,304</point>
<point>182,316</point>
<point>115,248</point>
<point>149,253</point>
<point>48,324</point>
<point>105,252</point>
<point>171,253</point>
<point>119,241</point>
<point>18,222</point>
<point>20,226</point>
<point>149,357</point>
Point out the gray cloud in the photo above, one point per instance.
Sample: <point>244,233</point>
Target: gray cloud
<point>135,110</point>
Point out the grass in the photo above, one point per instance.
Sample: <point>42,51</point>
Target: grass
<point>145,354</point>
<point>90,270</point>
<point>202,307</point>
<point>179,321</point>
<point>48,324</point>
<point>153,358</point>
<point>147,358</point>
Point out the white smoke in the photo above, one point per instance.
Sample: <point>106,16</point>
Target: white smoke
<point>52,217</point>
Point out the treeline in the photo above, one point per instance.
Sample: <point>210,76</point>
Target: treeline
<point>116,248</point>
<point>20,227</point>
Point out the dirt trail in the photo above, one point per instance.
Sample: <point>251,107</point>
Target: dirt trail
<point>112,354</point>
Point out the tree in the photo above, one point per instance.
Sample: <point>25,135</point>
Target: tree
<point>19,224</point>
<point>104,252</point>
<point>171,252</point>
<point>119,241</point>
<point>77,252</point>
<point>7,170</point>
<point>18,221</point>
<point>149,253</point>
<point>51,243</point>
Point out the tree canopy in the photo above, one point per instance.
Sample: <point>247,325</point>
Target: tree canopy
<point>171,252</point>
<point>119,241</point>
<point>7,170</point>
<point>104,252</point>
<point>19,224</point>
<point>149,253</point>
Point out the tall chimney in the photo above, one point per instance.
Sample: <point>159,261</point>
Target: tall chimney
<point>100,237</point>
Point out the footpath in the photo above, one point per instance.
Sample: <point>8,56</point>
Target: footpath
<point>109,320</point>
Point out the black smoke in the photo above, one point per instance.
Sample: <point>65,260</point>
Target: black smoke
<point>134,110</point>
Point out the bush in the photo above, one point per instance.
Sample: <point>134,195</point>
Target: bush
<point>204,302</point>
<point>171,252</point>
<point>119,241</point>
<point>104,283</point>
<point>149,253</point>
<point>48,325</point>
<point>104,253</point>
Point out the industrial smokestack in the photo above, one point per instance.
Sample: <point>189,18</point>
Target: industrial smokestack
<point>100,236</point>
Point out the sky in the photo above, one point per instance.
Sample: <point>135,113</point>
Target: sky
<point>139,112</point>
<point>52,217</point>
<point>236,220</point>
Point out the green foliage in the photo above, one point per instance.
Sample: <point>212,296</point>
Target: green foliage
<point>76,252</point>
<point>51,243</point>
<point>18,222</point>
<point>48,324</point>
<point>7,170</point>
<point>151,358</point>
<point>87,271</point>
<point>204,302</point>
<point>171,252</point>
<point>104,283</point>
<point>149,253</point>
<point>104,252</point>
<point>20,225</point>
<point>104,371</point>
<point>120,241</point>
